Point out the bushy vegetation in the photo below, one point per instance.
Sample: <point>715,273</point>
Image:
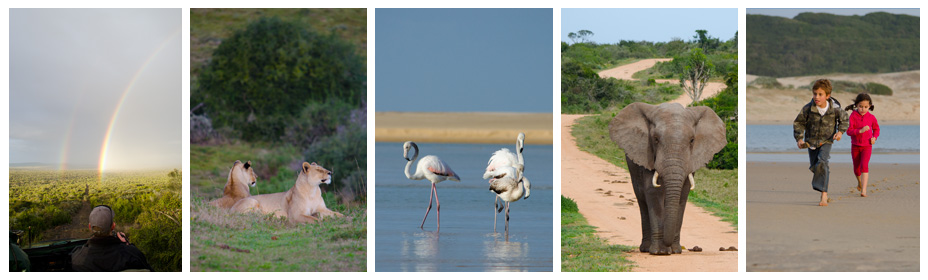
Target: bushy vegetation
<point>856,87</point>
<point>288,81</point>
<point>147,206</point>
<point>725,104</point>
<point>820,43</point>
<point>583,91</point>
<point>766,82</point>
<point>262,78</point>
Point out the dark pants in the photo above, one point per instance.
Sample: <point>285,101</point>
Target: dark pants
<point>818,164</point>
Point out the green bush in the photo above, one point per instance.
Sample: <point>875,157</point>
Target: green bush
<point>345,154</point>
<point>569,205</point>
<point>878,89</point>
<point>261,78</point>
<point>766,82</point>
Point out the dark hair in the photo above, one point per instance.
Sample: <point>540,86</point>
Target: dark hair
<point>860,97</point>
<point>823,84</point>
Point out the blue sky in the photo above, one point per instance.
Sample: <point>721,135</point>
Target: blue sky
<point>655,25</point>
<point>790,13</point>
<point>464,60</point>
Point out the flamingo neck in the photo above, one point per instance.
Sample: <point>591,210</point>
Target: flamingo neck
<point>418,175</point>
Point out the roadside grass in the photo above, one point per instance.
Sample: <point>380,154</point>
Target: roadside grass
<point>716,189</point>
<point>219,237</point>
<point>582,250</point>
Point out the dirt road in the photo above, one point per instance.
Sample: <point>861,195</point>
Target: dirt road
<point>605,197</point>
<point>604,194</point>
<point>625,72</point>
<point>78,226</point>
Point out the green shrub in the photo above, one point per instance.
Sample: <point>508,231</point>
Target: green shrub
<point>569,205</point>
<point>766,82</point>
<point>878,89</point>
<point>261,78</point>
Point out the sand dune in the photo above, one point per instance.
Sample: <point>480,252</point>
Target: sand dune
<point>780,106</point>
<point>464,127</point>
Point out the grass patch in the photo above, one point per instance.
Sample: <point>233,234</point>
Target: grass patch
<point>716,189</point>
<point>582,250</point>
<point>225,241</point>
<point>592,134</point>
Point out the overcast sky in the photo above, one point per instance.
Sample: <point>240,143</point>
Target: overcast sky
<point>69,68</point>
<point>464,60</point>
<point>653,25</point>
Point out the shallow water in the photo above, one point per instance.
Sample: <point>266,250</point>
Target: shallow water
<point>779,138</point>
<point>466,241</point>
<point>775,143</point>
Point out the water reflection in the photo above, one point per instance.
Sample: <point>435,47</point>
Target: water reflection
<point>503,255</point>
<point>422,245</point>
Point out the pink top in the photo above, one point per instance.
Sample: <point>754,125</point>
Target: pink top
<point>858,121</point>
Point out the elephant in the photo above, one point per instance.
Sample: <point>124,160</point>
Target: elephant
<point>664,146</point>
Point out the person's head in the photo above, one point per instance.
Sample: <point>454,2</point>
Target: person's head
<point>101,221</point>
<point>821,91</point>
<point>862,104</point>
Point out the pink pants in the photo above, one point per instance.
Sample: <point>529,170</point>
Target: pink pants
<point>861,157</point>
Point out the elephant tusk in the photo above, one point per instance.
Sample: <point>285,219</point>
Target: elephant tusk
<point>692,181</point>
<point>654,180</point>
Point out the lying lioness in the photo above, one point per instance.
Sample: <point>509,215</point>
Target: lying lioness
<point>241,177</point>
<point>301,204</point>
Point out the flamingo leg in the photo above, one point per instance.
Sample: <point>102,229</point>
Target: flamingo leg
<point>438,204</point>
<point>507,217</point>
<point>430,206</point>
<point>495,212</point>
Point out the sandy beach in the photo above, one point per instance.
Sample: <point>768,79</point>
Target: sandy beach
<point>780,106</point>
<point>464,127</point>
<point>787,230</point>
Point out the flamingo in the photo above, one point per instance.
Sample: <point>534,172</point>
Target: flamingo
<point>431,168</point>
<point>508,181</point>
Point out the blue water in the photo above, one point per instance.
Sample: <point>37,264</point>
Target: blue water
<point>896,144</point>
<point>466,241</point>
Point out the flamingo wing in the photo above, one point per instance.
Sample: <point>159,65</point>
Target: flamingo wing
<point>438,167</point>
<point>500,158</point>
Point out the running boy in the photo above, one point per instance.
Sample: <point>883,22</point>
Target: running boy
<point>818,125</point>
<point>863,131</point>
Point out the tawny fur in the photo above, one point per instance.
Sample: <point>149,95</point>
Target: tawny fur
<point>241,177</point>
<point>301,204</point>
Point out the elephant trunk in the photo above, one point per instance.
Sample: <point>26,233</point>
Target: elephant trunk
<point>673,184</point>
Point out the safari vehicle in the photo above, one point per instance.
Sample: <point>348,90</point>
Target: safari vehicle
<point>54,255</point>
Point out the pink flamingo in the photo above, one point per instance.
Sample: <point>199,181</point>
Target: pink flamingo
<point>431,168</point>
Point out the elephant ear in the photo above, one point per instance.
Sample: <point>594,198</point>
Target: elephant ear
<point>709,138</point>
<point>631,130</point>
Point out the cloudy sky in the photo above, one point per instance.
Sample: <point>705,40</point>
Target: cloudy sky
<point>76,73</point>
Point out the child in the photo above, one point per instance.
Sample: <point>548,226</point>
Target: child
<point>863,131</point>
<point>818,125</point>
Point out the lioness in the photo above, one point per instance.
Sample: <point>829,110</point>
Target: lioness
<point>301,204</point>
<point>241,177</point>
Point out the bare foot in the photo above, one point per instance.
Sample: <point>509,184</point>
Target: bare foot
<point>863,195</point>
<point>858,188</point>
<point>823,203</point>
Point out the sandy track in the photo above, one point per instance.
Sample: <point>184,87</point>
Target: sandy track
<point>625,72</point>
<point>605,197</point>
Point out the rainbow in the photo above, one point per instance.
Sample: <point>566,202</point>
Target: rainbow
<point>122,100</point>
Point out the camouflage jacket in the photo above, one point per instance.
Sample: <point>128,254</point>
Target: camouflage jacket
<point>816,129</point>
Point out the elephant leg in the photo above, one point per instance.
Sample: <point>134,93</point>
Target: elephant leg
<point>638,175</point>
<point>656,211</point>
<point>677,249</point>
